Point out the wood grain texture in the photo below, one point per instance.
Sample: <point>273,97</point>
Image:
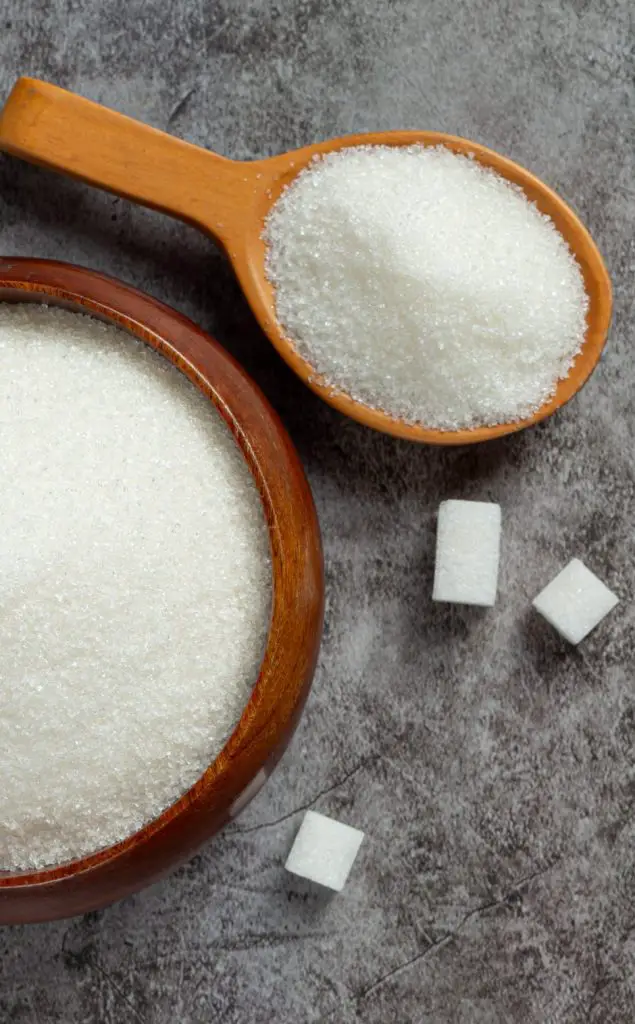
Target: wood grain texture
<point>287,669</point>
<point>230,201</point>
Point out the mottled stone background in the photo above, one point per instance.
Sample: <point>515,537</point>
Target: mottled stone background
<point>491,766</point>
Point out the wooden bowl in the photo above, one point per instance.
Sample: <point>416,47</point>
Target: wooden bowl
<point>287,669</point>
<point>230,201</point>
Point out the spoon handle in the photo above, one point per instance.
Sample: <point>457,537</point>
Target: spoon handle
<point>67,133</point>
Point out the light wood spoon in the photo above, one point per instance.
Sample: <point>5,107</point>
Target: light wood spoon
<point>229,200</point>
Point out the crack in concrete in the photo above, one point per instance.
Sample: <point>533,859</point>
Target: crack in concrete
<point>305,807</point>
<point>179,107</point>
<point>446,939</point>
<point>122,995</point>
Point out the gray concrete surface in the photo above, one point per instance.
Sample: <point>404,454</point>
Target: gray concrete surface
<point>492,767</point>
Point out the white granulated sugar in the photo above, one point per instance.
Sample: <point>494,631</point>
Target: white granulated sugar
<point>425,285</point>
<point>135,585</point>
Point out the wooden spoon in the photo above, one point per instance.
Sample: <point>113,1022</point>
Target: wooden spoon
<point>229,200</point>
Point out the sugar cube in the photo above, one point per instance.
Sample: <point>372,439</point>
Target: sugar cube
<point>468,548</point>
<point>575,601</point>
<point>324,850</point>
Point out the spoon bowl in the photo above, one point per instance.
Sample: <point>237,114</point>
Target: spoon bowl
<point>230,201</point>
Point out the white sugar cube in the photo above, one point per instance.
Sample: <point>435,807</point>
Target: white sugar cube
<point>575,601</point>
<point>468,549</point>
<point>324,850</point>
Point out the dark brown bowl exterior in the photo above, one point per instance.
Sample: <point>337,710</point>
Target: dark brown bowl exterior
<point>287,669</point>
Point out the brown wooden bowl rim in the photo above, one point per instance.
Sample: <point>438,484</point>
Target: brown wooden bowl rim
<point>260,292</point>
<point>298,590</point>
